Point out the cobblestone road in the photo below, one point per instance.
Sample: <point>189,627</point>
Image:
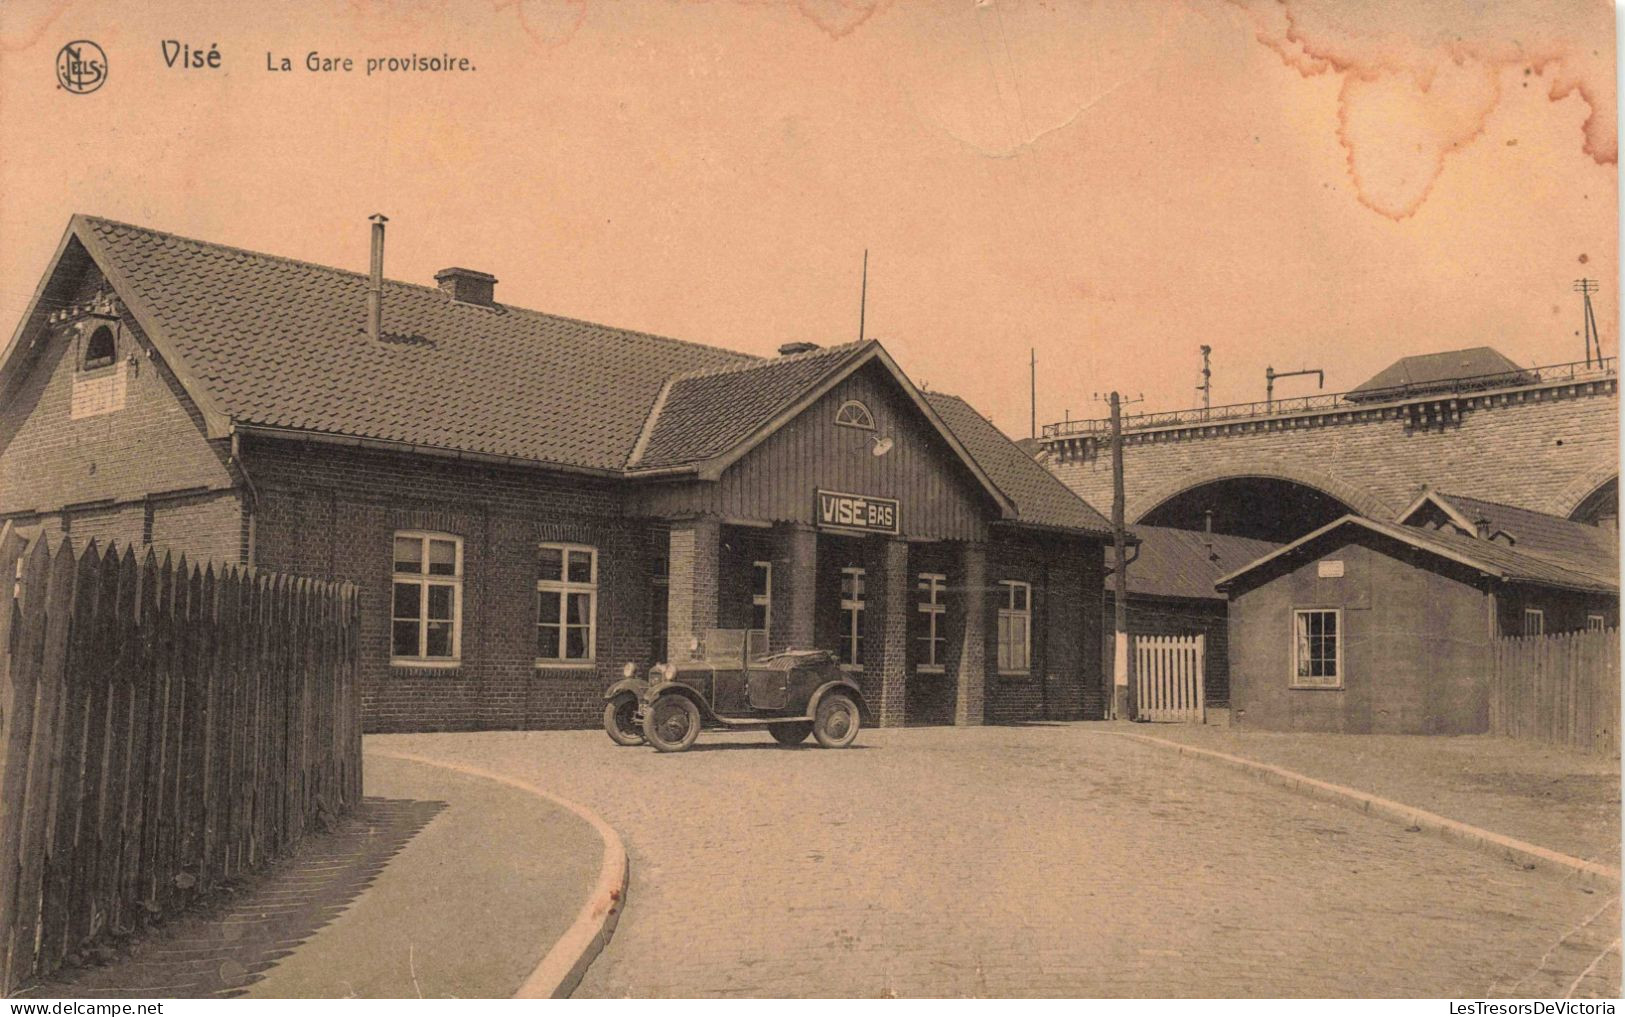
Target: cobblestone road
<point>1037,861</point>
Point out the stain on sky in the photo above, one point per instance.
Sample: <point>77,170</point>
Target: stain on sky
<point>1409,99</point>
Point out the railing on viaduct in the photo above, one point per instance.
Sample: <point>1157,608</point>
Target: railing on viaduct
<point>1575,371</point>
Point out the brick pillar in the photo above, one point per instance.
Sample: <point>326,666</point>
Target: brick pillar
<point>885,656</point>
<point>691,596</point>
<point>795,588</point>
<point>970,670</point>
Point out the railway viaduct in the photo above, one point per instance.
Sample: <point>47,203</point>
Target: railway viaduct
<point>1544,438</point>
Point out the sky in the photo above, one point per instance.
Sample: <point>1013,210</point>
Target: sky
<point>1299,184</point>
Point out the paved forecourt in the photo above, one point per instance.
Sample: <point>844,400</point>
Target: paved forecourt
<point>1034,861</point>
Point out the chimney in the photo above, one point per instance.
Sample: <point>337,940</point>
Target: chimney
<point>1482,525</point>
<point>375,285</point>
<point>791,349</point>
<point>467,286</point>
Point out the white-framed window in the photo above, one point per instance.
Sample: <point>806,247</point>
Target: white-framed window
<point>1317,648</point>
<point>933,609</point>
<point>566,604</point>
<point>852,607</point>
<point>426,613</point>
<point>761,608</point>
<point>1534,622</point>
<point>854,414</point>
<point>1015,627</point>
<point>1596,623</point>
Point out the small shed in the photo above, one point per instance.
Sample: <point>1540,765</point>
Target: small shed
<point>1374,627</point>
<point>1170,593</point>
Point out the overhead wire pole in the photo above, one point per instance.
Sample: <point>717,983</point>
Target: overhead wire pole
<point>1033,365</point>
<point>1120,689</point>
<point>1586,287</point>
<point>863,294</point>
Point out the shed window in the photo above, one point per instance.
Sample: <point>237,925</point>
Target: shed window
<point>1015,627</point>
<point>566,604</point>
<point>426,616</point>
<point>1534,622</point>
<point>854,414</point>
<point>99,348</point>
<point>1595,623</point>
<point>933,612</point>
<point>1317,649</point>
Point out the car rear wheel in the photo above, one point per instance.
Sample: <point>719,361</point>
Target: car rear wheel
<point>620,721</point>
<point>671,723</point>
<point>837,721</point>
<point>791,734</point>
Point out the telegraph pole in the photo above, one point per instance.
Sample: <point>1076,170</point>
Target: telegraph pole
<point>1033,368</point>
<point>1586,287</point>
<point>1122,700</point>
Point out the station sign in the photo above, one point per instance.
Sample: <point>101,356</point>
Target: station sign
<point>842,511</point>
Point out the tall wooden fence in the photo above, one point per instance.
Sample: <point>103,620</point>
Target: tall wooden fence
<point>1561,689</point>
<point>164,728</point>
<point>1169,678</point>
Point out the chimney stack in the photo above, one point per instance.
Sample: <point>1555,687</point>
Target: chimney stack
<point>791,349</point>
<point>375,285</point>
<point>467,286</point>
<point>1482,525</point>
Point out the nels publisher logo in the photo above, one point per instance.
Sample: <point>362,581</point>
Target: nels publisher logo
<point>81,67</point>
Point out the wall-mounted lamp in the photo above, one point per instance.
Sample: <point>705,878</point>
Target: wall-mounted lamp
<point>880,445</point>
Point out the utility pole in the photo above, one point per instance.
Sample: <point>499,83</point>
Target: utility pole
<point>1122,703</point>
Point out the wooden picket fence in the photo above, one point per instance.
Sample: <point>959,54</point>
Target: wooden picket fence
<point>1560,689</point>
<point>165,728</point>
<point>1169,678</point>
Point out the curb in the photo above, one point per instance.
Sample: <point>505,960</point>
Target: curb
<point>560,971</point>
<point>1519,852</point>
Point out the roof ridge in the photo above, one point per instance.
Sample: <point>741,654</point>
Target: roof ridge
<point>1508,505</point>
<point>302,263</point>
<point>760,362</point>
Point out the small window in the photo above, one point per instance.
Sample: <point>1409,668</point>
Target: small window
<point>427,601</point>
<point>1317,649</point>
<point>854,414</point>
<point>761,608</point>
<point>566,604</point>
<point>1595,623</point>
<point>99,348</point>
<point>1015,627</point>
<point>1534,622</point>
<point>932,609</point>
<point>853,604</point>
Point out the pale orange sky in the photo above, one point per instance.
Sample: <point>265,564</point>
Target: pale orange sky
<point>1297,184</point>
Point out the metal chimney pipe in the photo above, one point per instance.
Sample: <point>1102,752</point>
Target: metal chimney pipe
<point>375,285</point>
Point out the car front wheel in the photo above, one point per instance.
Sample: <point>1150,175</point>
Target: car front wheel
<point>837,721</point>
<point>620,721</point>
<point>671,723</point>
<point>791,734</point>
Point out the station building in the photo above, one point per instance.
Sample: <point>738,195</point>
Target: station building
<point>528,502</point>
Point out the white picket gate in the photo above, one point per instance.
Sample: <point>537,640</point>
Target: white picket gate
<point>1168,678</point>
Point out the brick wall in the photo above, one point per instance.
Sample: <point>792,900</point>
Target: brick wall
<point>332,512</point>
<point>114,475</point>
<point>1543,451</point>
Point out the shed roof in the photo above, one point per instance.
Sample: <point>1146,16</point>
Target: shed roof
<point>1435,372</point>
<point>1186,563</point>
<point>1494,559</point>
<point>1578,547</point>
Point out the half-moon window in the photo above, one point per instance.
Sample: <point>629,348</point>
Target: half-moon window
<point>99,349</point>
<point>854,414</point>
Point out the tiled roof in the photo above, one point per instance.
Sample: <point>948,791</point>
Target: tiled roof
<point>1434,371</point>
<point>1186,563</point>
<point>705,413</point>
<point>1491,557</point>
<point>283,343</point>
<point>1579,547</point>
<point>1041,499</point>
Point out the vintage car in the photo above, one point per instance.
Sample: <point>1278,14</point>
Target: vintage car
<point>791,694</point>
